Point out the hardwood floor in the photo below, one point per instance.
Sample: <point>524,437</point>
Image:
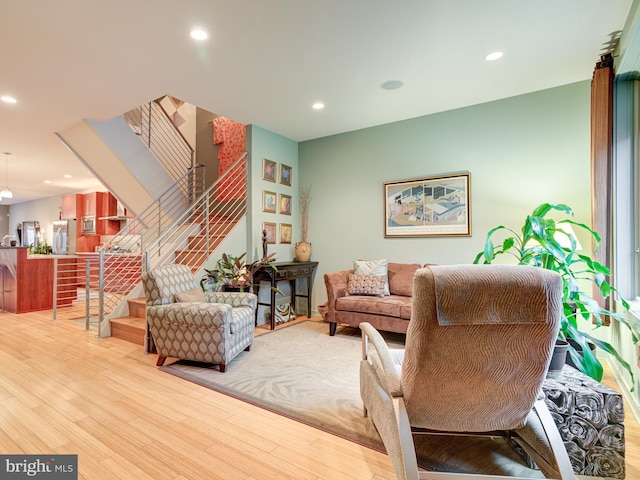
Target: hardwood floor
<point>62,390</point>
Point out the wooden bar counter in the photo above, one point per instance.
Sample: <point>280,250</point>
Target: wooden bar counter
<point>26,281</point>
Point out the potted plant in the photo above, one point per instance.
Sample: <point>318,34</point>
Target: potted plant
<point>538,244</point>
<point>234,274</point>
<point>303,248</point>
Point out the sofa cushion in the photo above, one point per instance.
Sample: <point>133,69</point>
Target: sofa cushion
<point>372,267</point>
<point>390,306</point>
<point>405,311</point>
<point>366,285</point>
<point>401,278</point>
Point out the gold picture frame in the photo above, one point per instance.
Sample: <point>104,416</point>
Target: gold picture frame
<point>284,205</point>
<point>269,201</point>
<point>269,170</point>
<point>270,229</point>
<point>285,174</point>
<point>285,233</point>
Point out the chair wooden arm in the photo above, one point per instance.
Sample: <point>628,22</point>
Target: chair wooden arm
<point>383,362</point>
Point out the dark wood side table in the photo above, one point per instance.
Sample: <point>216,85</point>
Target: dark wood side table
<point>290,271</point>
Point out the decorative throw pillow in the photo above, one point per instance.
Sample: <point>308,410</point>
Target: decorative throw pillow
<point>373,267</point>
<point>193,295</point>
<point>366,285</point>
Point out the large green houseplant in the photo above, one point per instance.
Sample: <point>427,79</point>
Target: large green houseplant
<point>537,243</point>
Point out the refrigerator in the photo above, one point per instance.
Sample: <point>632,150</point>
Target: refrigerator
<point>64,237</point>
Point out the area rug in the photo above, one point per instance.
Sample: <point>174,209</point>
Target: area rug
<point>303,373</point>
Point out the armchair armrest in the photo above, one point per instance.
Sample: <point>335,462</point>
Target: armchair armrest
<point>199,314</point>
<point>383,361</point>
<point>336,284</point>
<point>235,299</point>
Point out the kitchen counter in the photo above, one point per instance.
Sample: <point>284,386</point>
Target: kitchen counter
<point>27,281</point>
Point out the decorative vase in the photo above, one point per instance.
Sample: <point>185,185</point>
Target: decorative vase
<point>303,251</point>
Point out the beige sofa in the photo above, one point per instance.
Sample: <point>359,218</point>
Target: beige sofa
<point>389,313</point>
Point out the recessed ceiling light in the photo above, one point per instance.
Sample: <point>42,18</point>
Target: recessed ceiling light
<point>198,34</point>
<point>318,106</point>
<point>8,99</point>
<point>391,85</point>
<point>494,56</point>
<point>47,181</point>
<point>67,176</point>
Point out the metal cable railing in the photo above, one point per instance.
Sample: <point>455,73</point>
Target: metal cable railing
<point>120,261</point>
<point>154,127</point>
<point>198,231</point>
<point>173,229</point>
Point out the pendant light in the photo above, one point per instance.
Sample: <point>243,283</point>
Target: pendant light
<point>5,192</point>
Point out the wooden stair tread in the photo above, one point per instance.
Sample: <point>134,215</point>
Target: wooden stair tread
<point>130,329</point>
<point>137,307</point>
<point>129,321</point>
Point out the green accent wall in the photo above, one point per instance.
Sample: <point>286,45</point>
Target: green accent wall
<point>520,152</point>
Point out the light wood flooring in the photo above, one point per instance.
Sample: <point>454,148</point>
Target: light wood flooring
<point>64,391</point>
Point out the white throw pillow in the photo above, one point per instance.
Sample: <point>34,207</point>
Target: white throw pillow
<point>373,267</point>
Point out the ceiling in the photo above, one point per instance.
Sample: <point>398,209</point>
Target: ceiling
<point>267,61</point>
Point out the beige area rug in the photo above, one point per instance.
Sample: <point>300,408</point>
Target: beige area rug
<point>304,374</point>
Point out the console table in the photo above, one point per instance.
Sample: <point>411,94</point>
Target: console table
<point>289,271</point>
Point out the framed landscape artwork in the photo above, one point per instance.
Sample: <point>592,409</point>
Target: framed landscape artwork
<point>285,204</point>
<point>270,228</point>
<point>269,201</point>
<point>285,174</point>
<point>269,170</point>
<point>429,206</point>
<point>285,233</point>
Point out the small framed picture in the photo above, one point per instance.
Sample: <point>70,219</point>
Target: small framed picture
<point>269,201</point>
<point>268,170</point>
<point>285,233</point>
<point>285,204</point>
<point>270,229</point>
<point>285,174</point>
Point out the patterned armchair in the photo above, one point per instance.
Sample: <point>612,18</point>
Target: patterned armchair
<point>189,324</point>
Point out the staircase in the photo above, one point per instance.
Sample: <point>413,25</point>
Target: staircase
<point>199,247</point>
<point>188,238</point>
<point>184,224</point>
<point>132,327</point>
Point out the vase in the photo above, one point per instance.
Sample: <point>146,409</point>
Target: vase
<point>303,251</point>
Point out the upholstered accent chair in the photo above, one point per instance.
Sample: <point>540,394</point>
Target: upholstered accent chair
<point>189,324</point>
<point>477,351</point>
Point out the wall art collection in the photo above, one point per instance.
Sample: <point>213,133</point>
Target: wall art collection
<point>277,203</point>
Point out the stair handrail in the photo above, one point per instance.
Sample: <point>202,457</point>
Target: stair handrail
<point>167,144</point>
